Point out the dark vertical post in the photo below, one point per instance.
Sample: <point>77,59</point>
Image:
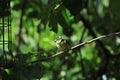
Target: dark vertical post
<point>5,30</point>
<point>9,31</point>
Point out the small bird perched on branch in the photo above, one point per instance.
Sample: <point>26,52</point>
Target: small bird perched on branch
<point>62,44</point>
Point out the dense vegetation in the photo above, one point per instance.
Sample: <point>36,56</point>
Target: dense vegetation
<point>36,24</point>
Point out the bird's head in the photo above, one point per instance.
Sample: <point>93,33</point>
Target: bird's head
<point>58,39</point>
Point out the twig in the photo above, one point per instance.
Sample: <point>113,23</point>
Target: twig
<point>95,39</point>
<point>76,46</point>
<point>107,53</point>
<point>48,58</point>
<point>21,24</point>
<point>78,51</point>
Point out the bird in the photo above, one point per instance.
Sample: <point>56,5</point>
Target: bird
<point>62,44</point>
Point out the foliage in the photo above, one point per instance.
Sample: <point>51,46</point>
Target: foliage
<point>35,25</point>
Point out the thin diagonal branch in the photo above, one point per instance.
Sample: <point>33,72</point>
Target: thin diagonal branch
<point>48,58</point>
<point>21,24</point>
<point>76,46</point>
<point>80,54</point>
<point>106,52</point>
<point>95,39</point>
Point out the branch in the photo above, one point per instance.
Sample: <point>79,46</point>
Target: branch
<point>21,24</point>
<point>88,25</point>
<point>48,58</point>
<point>76,46</point>
<point>95,39</point>
<point>106,52</point>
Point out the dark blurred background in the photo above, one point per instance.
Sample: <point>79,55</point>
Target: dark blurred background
<point>36,23</point>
